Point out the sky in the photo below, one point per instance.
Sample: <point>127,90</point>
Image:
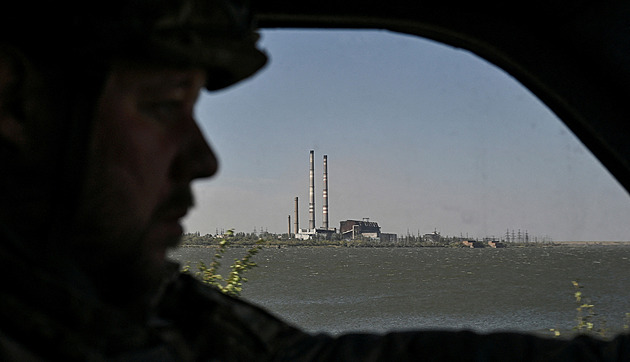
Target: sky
<point>420,137</point>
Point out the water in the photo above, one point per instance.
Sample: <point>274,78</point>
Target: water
<point>380,289</point>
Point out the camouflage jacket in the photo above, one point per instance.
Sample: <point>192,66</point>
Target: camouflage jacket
<point>43,318</point>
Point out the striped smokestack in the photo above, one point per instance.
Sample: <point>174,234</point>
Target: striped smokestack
<point>296,222</point>
<point>325,192</point>
<point>311,194</point>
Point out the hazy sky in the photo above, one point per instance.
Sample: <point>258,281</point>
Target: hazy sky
<point>419,136</point>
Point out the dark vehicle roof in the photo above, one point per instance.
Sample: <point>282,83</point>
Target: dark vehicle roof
<point>573,55</point>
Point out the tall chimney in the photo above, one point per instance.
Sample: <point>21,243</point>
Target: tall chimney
<point>289,233</point>
<point>311,194</point>
<point>325,204</point>
<point>296,222</point>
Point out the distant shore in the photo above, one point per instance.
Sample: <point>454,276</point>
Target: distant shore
<point>434,241</point>
<point>591,243</point>
<point>324,245</point>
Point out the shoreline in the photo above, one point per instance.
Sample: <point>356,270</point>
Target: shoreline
<point>591,243</point>
<point>283,245</point>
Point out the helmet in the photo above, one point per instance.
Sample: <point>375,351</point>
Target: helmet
<point>217,35</point>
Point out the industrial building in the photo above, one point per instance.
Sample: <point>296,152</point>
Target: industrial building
<point>352,229</point>
<point>349,229</point>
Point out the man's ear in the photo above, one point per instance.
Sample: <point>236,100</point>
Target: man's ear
<point>12,128</point>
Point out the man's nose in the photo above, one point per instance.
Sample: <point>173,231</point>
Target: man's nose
<point>196,158</point>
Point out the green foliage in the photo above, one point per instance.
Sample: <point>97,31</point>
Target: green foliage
<point>586,321</point>
<point>233,283</point>
<point>585,318</point>
<point>556,332</point>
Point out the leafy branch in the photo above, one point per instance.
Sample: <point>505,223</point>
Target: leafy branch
<point>233,283</point>
<point>586,318</point>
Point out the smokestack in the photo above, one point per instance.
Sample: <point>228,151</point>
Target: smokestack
<point>311,194</point>
<point>296,222</point>
<point>289,234</point>
<point>325,204</point>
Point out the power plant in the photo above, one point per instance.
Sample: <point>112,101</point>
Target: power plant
<point>350,229</point>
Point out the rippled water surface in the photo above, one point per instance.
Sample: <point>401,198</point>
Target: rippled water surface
<point>379,289</point>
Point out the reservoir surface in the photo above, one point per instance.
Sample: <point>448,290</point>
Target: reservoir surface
<point>335,290</point>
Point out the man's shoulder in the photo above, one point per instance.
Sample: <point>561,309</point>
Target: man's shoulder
<point>187,297</point>
<point>202,313</point>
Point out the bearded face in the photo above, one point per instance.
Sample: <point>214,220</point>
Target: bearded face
<point>146,149</point>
